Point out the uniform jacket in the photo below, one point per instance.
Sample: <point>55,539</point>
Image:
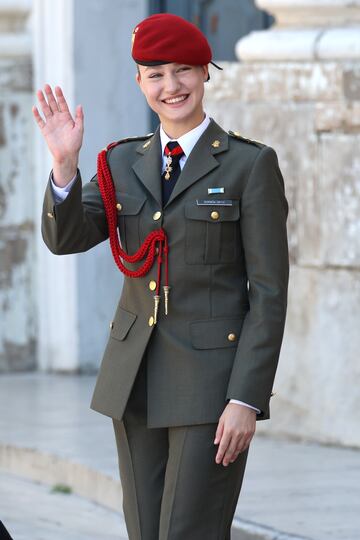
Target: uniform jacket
<point>222,336</point>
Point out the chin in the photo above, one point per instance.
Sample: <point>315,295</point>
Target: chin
<point>179,114</point>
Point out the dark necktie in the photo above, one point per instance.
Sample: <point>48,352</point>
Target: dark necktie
<point>174,152</point>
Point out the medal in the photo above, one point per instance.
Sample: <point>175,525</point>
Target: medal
<point>170,153</point>
<point>168,167</point>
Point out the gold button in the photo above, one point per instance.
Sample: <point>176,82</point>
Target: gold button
<point>157,215</point>
<point>119,206</point>
<point>152,285</point>
<point>50,214</point>
<point>111,325</point>
<point>214,215</point>
<point>232,337</point>
<point>151,320</point>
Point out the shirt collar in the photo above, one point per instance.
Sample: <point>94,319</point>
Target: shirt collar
<point>188,140</point>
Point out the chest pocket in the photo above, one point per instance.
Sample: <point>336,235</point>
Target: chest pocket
<point>212,233</point>
<point>129,220</point>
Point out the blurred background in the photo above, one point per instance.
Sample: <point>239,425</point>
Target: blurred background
<point>291,79</point>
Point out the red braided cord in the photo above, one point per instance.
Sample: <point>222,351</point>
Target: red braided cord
<point>166,251</point>
<point>160,260</point>
<point>107,192</point>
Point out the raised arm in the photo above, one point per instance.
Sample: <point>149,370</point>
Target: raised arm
<point>78,222</point>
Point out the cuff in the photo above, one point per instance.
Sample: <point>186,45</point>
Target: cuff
<point>246,405</point>
<point>60,193</point>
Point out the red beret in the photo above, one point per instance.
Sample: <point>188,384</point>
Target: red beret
<point>164,38</point>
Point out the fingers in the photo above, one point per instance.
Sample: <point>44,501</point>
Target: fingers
<point>51,99</point>
<point>241,446</point>
<point>232,440</point>
<point>219,431</point>
<point>61,101</point>
<point>40,122</point>
<point>44,105</point>
<point>231,445</point>
<point>49,105</point>
<point>231,452</point>
<point>223,446</point>
<point>79,117</point>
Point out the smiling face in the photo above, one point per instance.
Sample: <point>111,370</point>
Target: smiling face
<point>175,93</point>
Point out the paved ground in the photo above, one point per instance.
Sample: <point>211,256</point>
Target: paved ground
<point>30,511</point>
<point>301,489</point>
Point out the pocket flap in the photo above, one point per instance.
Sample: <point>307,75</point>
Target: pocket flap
<point>216,333</point>
<point>130,205</point>
<point>122,323</point>
<point>203,212</point>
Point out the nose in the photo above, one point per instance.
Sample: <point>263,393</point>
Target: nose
<point>171,83</point>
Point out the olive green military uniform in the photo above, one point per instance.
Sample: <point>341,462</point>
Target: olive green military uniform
<point>228,272</point>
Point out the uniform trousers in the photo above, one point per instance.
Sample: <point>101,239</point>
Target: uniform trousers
<point>172,487</point>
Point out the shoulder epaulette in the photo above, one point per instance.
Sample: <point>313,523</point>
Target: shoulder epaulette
<point>237,135</point>
<point>129,139</point>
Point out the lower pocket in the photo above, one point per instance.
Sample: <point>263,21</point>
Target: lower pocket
<point>216,333</point>
<point>123,321</point>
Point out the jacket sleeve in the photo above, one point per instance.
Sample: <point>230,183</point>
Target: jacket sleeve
<point>76,224</point>
<point>264,211</point>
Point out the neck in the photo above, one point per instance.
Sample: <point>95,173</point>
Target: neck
<point>174,130</point>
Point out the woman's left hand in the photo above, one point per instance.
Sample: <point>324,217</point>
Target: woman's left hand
<point>235,430</point>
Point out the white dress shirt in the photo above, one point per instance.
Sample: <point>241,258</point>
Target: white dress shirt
<point>60,193</point>
<point>187,143</point>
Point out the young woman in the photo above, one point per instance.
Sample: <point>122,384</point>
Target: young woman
<point>195,340</point>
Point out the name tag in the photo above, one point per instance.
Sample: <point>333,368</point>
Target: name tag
<point>214,202</point>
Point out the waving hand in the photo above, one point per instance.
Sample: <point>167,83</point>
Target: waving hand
<point>63,133</point>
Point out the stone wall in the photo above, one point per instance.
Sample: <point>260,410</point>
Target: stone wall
<point>77,294</point>
<point>309,111</point>
<point>55,311</point>
<point>17,246</point>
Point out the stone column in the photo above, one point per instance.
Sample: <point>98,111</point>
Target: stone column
<point>53,55</point>
<point>17,249</point>
<point>83,46</point>
<point>297,88</point>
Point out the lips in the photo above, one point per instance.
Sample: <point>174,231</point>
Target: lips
<point>175,100</point>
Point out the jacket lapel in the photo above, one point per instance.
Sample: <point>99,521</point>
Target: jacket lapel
<point>148,167</point>
<point>201,160</point>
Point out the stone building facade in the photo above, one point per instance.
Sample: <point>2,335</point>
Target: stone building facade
<point>54,311</point>
<point>17,227</point>
<point>297,88</point>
